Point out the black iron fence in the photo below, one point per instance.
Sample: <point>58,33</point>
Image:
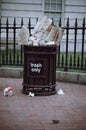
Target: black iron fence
<point>68,58</point>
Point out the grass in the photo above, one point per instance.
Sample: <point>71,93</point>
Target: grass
<point>76,64</point>
<point>10,56</point>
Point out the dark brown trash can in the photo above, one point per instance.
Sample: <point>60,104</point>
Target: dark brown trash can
<point>39,76</point>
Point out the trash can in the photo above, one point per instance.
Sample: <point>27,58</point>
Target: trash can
<point>39,75</point>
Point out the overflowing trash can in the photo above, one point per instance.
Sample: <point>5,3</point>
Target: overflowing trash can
<point>40,49</point>
<point>39,76</point>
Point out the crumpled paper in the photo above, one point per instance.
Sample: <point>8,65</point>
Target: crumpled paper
<point>8,91</point>
<point>31,94</point>
<point>60,92</point>
<point>44,34</point>
<point>43,23</point>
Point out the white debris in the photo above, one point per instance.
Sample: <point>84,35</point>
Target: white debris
<point>31,94</point>
<point>8,91</point>
<point>60,92</point>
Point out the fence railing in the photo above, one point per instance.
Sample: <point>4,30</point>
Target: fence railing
<point>12,54</point>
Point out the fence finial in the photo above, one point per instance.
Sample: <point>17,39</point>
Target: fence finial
<point>60,22</point>
<point>67,22</point>
<point>22,22</point>
<point>76,23</point>
<point>83,22</point>
<point>7,23</point>
<point>29,26</point>
<point>14,22</point>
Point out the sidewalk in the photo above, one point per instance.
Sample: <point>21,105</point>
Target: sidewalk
<point>55,112</point>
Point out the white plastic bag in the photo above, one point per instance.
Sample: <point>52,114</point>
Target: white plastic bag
<point>60,92</point>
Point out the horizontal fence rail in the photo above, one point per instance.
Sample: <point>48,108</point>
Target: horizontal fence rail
<point>12,54</point>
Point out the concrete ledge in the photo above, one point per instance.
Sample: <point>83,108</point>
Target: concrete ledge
<point>70,77</point>
<point>11,72</point>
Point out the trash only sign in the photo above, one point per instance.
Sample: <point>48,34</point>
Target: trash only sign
<point>36,67</point>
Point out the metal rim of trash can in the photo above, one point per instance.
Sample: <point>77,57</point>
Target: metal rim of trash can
<point>40,93</point>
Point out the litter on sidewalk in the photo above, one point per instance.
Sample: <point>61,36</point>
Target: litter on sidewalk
<point>60,92</point>
<point>8,91</point>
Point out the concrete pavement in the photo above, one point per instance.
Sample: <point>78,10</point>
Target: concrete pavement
<point>55,112</point>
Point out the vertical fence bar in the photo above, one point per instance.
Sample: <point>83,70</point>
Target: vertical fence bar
<point>10,57</point>
<point>52,22</point>
<point>22,23</point>
<point>29,26</point>
<point>0,42</point>
<point>75,41</point>
<point>62,61</point>
<point>3,58</point>
<point>58,50</point>
<point>17,58</point>
<point>78,61</point>
<point>67,37</point>
<point>7,28</point>
<point>36,20</point>
<point>59,47</point>
<point>83,34</point>
<point>71,61</point>
<point>14,40</point>
<point>85,63</point>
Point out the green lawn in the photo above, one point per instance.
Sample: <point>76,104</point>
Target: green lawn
<point>72,61</point>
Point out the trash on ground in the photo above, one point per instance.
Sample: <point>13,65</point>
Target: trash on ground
<point>8,91</point>
<point>31,94</point>
<point>44,34</point>
<point>60,92</point>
